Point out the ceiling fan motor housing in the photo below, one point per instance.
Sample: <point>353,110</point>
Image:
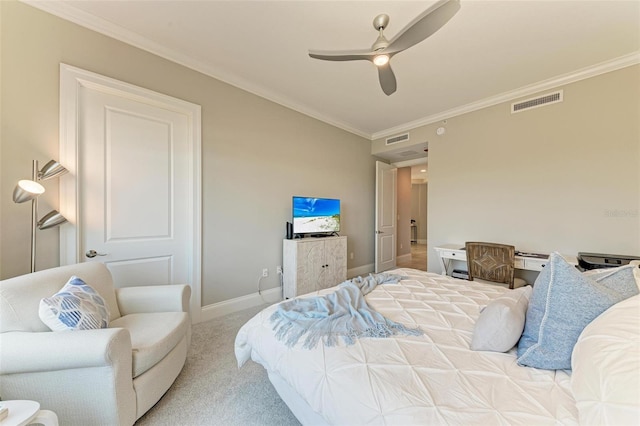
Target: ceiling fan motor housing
<point>380,22</point>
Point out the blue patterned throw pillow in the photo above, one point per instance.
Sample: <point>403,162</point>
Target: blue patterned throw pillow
<point>563,303</point>
<point>76,306</point>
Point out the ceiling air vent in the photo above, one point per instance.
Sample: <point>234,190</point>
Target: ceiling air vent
<point>548,99</point>
<point>396,139</point>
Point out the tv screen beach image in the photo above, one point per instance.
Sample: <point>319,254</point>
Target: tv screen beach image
<point>313,215</point>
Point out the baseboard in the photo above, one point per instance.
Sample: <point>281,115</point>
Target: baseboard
<point>361,270</point>
<point>219,309</point>
<point>272,295</point>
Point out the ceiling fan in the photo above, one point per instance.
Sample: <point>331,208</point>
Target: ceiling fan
<point>381,52</point>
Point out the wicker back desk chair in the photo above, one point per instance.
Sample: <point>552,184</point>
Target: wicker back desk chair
<point>492,262</point>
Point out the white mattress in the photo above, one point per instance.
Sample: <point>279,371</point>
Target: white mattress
<point>404,380</point>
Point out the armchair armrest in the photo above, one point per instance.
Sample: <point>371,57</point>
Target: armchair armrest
<point>159,298</point>
<point>27,352</point>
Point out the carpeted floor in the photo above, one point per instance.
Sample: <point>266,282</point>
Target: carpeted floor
<point>211,390</point>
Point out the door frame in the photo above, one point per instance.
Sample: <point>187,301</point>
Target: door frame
<point>71,80</point>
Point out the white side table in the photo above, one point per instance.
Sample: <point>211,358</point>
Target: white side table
<point>27,412</point>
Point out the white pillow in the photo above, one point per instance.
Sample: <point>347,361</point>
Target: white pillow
<point>501,322</point>
<point>76,306</point>
<point>606,367</point>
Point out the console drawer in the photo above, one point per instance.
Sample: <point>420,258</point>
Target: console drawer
<point>535,264</point>
<point>519,263</point>
<point>453,254</point>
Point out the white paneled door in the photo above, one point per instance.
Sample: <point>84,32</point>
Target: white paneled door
<point>136,181</point>
<point>385,221</point>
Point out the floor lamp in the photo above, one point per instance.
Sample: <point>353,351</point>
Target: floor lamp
<point>30,190</point>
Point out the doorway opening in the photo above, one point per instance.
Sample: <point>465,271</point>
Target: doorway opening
<point>409,166</point>
<point>412,215</point>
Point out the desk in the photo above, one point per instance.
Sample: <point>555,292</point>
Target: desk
<point>449,253</point>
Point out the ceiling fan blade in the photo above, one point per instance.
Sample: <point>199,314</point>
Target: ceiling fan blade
<point>343,55</point>
<point>387,79</point>
<point>427,23</point>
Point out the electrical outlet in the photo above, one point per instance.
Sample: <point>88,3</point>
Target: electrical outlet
<point>265,272</point>
<point>279,269</point>
<point>351,255</point>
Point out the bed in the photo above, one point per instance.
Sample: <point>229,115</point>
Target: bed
<point>430,379</point>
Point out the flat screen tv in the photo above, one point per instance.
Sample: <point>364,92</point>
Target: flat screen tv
<point>315,216</point>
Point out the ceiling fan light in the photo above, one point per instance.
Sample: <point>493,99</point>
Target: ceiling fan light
<point>381,60</point>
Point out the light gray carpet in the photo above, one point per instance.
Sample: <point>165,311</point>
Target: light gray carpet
<point>211,390</point>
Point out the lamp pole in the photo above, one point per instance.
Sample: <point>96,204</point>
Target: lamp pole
<point>34,217</point>
<point>30,190</point>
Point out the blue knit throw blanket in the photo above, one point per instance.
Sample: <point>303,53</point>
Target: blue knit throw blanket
<point>344,314</point>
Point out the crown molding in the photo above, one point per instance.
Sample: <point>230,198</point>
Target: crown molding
<point>572,77</point>
<point>67,12</point>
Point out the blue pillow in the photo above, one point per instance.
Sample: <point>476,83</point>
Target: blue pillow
<point>77,306</point>
<point>563,303</point>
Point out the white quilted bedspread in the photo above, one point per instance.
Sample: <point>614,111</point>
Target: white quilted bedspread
<point>408,380</point>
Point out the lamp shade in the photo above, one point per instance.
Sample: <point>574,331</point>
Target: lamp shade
<point>26,190</point>
<point>51,219</point>
<point>51,170</point>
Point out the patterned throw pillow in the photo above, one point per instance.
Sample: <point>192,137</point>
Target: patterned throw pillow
<point>76,306</point>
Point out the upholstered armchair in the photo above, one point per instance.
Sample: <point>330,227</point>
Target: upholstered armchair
<point>105,376</point>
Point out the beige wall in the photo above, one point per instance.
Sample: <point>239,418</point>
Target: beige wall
<point>564,177</point>
<point>255,155</point>
<point>1,178</point>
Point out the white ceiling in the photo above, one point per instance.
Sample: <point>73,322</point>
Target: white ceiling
<point>490,50</point>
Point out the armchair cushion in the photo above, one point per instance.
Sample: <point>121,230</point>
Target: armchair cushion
<point>153,336</point>
<point>77,306</point>
<point>153,298</point>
